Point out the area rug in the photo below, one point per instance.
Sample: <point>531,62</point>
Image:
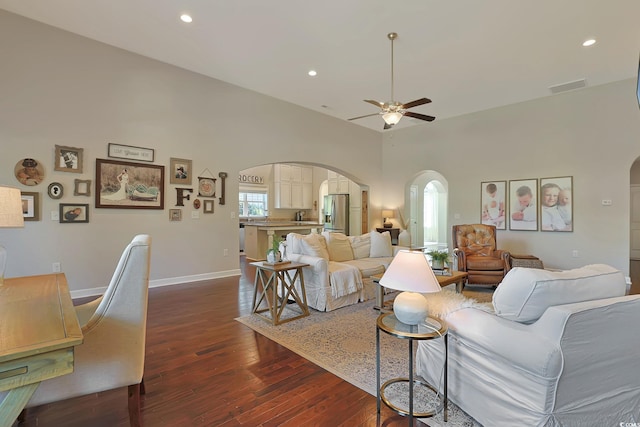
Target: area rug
<point>343,342</point>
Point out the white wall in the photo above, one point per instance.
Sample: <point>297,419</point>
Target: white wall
<point>591,134</point>
<point>59,88</point>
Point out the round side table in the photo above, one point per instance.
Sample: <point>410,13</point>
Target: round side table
<point>431,328</point>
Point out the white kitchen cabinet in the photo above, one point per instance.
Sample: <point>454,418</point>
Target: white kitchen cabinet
<point>338,184</point>
<point>293,187</point>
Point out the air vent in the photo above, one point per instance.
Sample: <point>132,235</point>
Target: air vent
<point>564,87</point>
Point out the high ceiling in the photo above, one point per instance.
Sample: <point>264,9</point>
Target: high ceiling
<point>465,55</point>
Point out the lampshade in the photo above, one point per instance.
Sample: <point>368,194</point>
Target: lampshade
<point>10,216</point>
<point>387,213</point>
<point>410,272</point>
<point>392,117</point>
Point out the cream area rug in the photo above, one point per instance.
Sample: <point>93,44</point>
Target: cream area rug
<point>343,342</point>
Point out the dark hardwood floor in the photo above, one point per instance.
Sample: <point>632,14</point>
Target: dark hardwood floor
<point>205,369</point>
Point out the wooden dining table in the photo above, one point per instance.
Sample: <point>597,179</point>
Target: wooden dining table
<point>38,332</point>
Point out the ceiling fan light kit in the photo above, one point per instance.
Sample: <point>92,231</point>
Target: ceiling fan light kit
<point>393,111</point>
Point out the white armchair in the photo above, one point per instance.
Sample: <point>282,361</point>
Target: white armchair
<point>114,329</point>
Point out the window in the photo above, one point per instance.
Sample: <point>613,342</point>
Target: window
<point>253,203</point>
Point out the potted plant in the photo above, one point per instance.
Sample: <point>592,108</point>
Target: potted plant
<point>438,258</point>
<point>273,254</point>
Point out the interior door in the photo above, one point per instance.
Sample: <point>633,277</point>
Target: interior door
<point>413,214</point>
<point>634,238</point>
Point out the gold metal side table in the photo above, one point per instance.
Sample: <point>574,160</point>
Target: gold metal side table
<point>270,278</point>
<point>431,328</point>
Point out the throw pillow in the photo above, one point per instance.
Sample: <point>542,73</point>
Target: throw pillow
<point>339,247</point>
<point>381,244</point>
<point>314,245</point>
<point>293,243</point>
<point>361,246</point>
<point>526,293</point>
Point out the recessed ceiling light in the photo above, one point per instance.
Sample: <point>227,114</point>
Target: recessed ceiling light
<point>186,18</point>
<point>589,42</point>
<point>312,73</point>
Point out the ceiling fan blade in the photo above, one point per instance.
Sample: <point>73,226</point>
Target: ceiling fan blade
<point>362,117</point>
<point>415,103</point>
<point>376,103</point>
<point>419,116</point>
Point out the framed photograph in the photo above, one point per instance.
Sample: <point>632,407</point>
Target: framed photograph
<point>82,187</point>
<point>72,213</point>
<point>523,197</point>
<point>180,170</point>
<point>175,214</point>
<point>207,206</point>
<point>30,206</point>
<point>131,153</point>
<point>68,159</point>
<point>126,185</point>
<point>556,204</point>
<point>493,196</point>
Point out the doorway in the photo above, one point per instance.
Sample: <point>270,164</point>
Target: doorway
<point>427,212</point>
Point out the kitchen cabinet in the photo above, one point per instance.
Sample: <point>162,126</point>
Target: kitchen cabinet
<point>293,186</point>
<point>338,184</point>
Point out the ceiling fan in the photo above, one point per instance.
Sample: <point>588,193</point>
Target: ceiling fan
<point>392,111</point>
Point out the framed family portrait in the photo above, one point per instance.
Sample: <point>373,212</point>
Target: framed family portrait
<point>126,185</point>
<point>493,196</point>
<point>556,207</point>
<point>68,159</point>
<point>180,170</point>
<point>73,213</point>
<point>30,206</point>
<point>523,212</point>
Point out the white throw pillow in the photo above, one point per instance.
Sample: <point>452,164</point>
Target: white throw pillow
<point>314,245</point>
<point>381,244</point>
<point>525,293</point>
<point>339,247</point>
<point>361,246</point>
<point>293,243</point>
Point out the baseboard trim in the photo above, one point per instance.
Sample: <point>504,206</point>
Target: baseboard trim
<point>170,281</point>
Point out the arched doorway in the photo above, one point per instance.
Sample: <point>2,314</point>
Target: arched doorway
<point>427,210</point>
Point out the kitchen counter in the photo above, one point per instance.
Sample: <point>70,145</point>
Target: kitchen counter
<point>259,234</point>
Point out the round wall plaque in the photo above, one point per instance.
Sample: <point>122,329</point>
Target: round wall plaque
<point>55,190</point>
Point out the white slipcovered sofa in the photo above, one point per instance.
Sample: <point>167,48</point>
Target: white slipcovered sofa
<point>558,349</point>
<point>340,266</point>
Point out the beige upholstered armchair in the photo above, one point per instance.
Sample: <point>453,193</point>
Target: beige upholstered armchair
<point>114,328</point>
<point>476,250</point>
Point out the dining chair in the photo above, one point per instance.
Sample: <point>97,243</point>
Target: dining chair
<point>114,328</point>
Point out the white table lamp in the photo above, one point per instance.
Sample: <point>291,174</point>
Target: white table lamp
<point>10,216</point>
<point>410,272</point>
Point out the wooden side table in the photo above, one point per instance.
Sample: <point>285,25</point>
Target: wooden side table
<point>457,277</point>
<point>273,277</point>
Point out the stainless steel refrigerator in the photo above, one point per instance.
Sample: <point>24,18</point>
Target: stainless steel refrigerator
<point>336,213</point>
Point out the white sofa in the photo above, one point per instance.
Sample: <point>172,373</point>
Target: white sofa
<point>558,349</point>
<point>340,266</point>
